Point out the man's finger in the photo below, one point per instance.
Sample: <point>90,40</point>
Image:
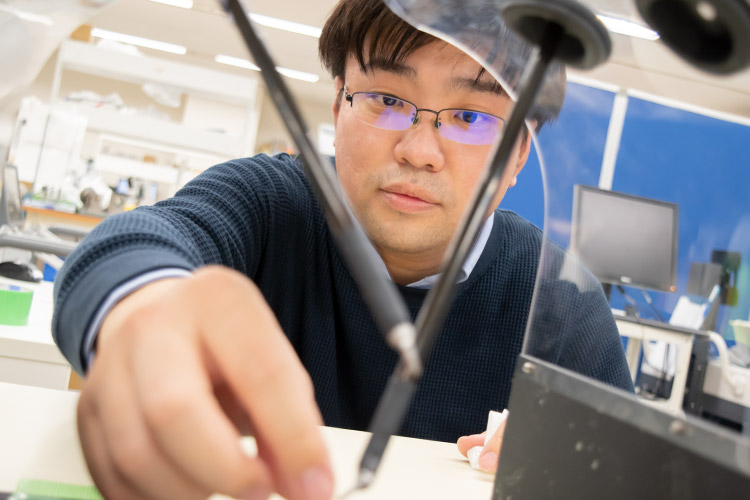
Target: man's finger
<point>488,460</point>
<point>182,413</point>
<point>91,435</point>
<point>465,443</point>
<point>489,456</point>
<point>270,382</point>
<point>132,449</point>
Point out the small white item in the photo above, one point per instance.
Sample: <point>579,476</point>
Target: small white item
<point>494,419</point>
<point>473,455</point>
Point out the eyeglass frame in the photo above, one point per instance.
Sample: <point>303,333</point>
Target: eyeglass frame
<point>415,121</point>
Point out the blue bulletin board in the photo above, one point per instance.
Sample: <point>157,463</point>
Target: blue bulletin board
<point>669,154</point>
<point>574,143</point>
<point>702,164</point>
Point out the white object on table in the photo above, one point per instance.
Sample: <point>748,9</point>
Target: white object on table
<point>494,419</point>
<point>741,331</point>
<point>717,384</point>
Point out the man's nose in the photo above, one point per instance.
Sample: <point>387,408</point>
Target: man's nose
<point>421,145</point>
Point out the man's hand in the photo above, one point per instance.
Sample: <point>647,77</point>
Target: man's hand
<point>489,455</point>
<point>182,365</point>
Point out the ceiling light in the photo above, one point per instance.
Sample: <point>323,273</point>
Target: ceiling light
<point>136,40</point>
<point>236,61</point>
<point>281,24</point>
<point>185,4</point>
<point>28,16</point>
<point>628,28</point>
<point>298,75</point>
<point>244,63</point>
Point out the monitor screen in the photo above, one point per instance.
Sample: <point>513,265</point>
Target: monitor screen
<point>625,239</point>
<point>12,196</point>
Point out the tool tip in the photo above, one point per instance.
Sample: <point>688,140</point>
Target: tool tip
<point>364,478</point>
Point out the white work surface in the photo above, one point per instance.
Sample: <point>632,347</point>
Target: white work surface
<point>28,355</point>
<point>39,440</point>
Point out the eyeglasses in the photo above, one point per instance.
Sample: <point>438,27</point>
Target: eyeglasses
<point>391,113</point>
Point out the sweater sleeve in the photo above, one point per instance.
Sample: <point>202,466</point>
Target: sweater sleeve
<point>220,217</point>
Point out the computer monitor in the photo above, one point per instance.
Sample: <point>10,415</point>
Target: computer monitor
<point>11,211</point>
<point>624,239</point>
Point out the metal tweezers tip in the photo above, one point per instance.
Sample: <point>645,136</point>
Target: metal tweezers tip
<point>364,479</point>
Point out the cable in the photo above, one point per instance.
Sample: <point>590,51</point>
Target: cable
<point>651,305</point>
<point>663,371</point>
<point>665,366</point>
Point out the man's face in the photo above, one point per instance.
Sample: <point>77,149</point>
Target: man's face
<point>409,188</point>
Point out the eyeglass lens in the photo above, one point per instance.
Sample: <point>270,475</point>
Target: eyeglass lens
<point>459,125</point>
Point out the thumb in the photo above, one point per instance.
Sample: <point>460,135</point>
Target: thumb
<point>488,458</point>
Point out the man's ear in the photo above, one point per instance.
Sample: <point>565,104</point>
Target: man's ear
<point>523,156</point>
<point>339,85</point>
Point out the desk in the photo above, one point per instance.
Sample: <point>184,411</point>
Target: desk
<point>48,217</point>
<point>28,355</point>
<point>38,433</point>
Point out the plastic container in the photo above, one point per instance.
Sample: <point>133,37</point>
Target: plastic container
<point>15,303</point>
<point>741,331</point>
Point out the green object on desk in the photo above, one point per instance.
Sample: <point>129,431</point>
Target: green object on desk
<point>37,488</point>
<point>15,303</point>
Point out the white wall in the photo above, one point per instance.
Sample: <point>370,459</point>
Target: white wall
<point>72,81</point>
<point>272,135</point>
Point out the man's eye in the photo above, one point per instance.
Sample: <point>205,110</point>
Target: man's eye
<point>469,116</point>
<point>388,100</point>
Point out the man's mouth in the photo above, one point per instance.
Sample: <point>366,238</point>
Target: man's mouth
<point>408,198</point>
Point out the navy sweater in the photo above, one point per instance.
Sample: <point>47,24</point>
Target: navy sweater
<point>259,216</point>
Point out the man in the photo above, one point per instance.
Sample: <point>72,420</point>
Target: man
<point>182,355</point>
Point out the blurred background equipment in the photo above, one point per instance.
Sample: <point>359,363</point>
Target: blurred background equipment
<point>625,239</point>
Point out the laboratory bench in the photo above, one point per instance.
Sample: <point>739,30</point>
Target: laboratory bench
<point>40,442</point>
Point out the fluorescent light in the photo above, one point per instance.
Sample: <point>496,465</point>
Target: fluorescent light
<point>236,61</point>
<point>136,40</point>
<point>185,4</point>
<point>628,28</point>
<point>281,24</point>
<point>244,63</point>
<point>298,75</point>
<point>28,16</point>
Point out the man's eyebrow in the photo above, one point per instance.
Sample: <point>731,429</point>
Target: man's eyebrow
<point>480,83</point>
<point>477,84</point>
<point>384,64</point>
